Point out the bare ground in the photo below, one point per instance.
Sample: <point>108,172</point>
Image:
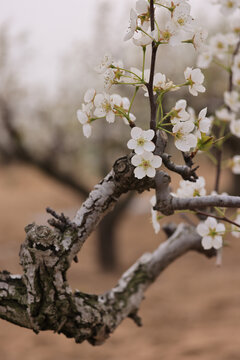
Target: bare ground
<point>191,312</point>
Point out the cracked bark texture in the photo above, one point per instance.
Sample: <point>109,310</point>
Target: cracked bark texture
<point>41,299</point>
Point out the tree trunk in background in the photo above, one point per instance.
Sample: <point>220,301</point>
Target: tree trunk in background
<point>107,235</point>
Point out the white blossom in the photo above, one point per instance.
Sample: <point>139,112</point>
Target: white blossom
<point>202,123</point>
<point>179,113</point>
<point>105,106</point>
<point>142,7</point>
<point>146,164</point>
<point>235,164</point>
<point>155,216</point>
<point>235,229</point>
<point>229,6</point>
<point>89,95</point>
<point>211,232</point>
<point>132,25</point>
<point>184,141</point>
<point>199,37</point>
<point>141,140</point>
<point>205,58</point>
<point>181,16</point>
<point>219,45</point>
<point>104,64</point>
<point>84,117</point>
<point>189,189</point>
<point>142,39</point>
<point>235,127</point>
<point>195,78</point>
<point>232,99</point>
<point>225,115</point>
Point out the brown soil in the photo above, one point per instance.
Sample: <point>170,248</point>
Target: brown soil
<point>191,312</point>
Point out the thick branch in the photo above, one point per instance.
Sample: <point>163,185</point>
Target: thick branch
<point>174,203</point>
<point>42,299</point>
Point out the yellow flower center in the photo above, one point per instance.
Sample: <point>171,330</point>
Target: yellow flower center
<point>145,164</point>
<point>141,141</point>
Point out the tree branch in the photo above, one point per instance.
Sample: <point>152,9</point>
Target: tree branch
<point>42,300</point>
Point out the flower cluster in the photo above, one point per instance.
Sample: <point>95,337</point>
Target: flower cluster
<point>211,232</point>
<point>112,70</point>
<point>189,189</point>
<point>179,27</point>
<point>187,127</point>
<point>145,161</point>
<point>98,106</point>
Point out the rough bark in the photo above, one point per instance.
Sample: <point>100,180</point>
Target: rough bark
<point>41,298</point>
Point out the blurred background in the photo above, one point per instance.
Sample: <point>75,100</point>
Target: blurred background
<point>48,51</point>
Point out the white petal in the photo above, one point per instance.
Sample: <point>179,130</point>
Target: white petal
<point>149,134</point>
<point>139,172</point>
<point>151,172</point>
<point>89,95</point>
<point>149,146</point>
<point>136,132</point>
<point>82,117</point>
<point>156,162</point>
<point>207,242</point>
<point>87,130</point>
<point>98,100</point>
<point>220,228</point>
<point>136,160</point>
<point>139,150</point>
<point>202,229</point>
<point>202,113</point>
<point>217,242</point>
<point>110,117</point>
<point>99,112</point>
<point>211,222</point>
<point>132,144</point>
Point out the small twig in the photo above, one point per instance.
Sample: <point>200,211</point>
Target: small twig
<point>152,70</point>
<point>221,218</point>
<point>187,172</point>
<point>60,222</point>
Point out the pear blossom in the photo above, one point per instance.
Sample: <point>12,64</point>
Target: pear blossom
<point>225,115</point>
<point>184,141</point>
<point>132,25</point>
<point>155,216</point>
<point>235,229</point>
<point>205,58</point>
<point>219,45</point>
<point>105,106</point>
<point>211,232</point>
<point>195,79</point>
<point>189,189</point>
<point>141,140</point>
<point>89,95</point>
<point>202,124</point>
<point>84,117</point>
<point>142,7</point>
<point>235,25</point>
<point>229,6</point>
<point>199,37</point>
<point>235,164</point>
<point>146,164</point>
<point>181,16</point>
<point>142,39</point>
<point>179,113</point>
<point>104,64</point>
<point>232,99</point>
<point>170,34</point>
<point>235,127</point>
